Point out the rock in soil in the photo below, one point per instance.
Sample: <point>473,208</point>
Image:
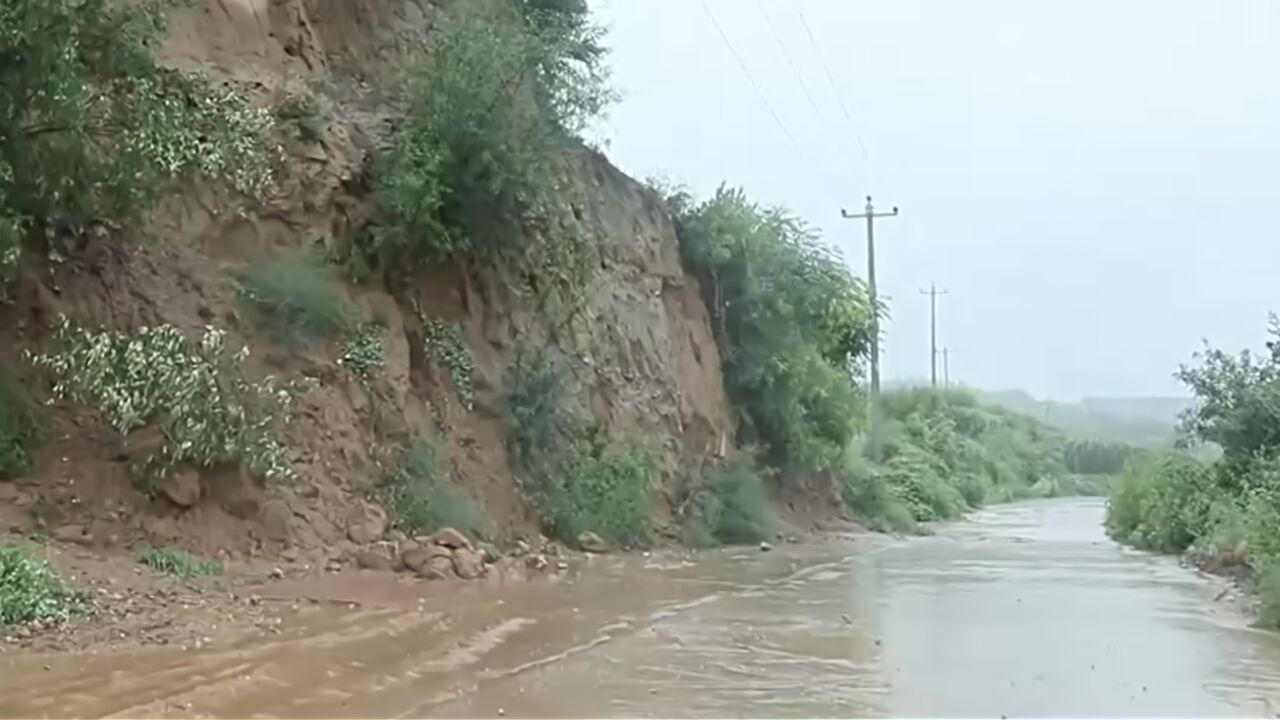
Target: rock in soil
<point>765,547</point>
<point>372,560</point>
<point>451,539</point>
<point>366,524</point>
<point>468,564</point>
<point>536,562</point>
<point>73,534</point>
<point>419,559</point>
<point>182,487</point>
<point>592,543</point>
<point>489,554</point>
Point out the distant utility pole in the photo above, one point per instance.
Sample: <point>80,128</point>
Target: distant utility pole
<point>946,366</point>
<point>874,445</point>
<point>933,292</point>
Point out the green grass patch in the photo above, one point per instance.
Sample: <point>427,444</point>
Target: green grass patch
<point>178,563</point>
<point>420,498</point>
<point>31,592</point>
<point>300,295</point>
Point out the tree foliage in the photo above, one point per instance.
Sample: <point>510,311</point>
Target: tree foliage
<point>1228,510</point>
<point>792,322</point>
<point>501,89</point>
<point>92,129</point>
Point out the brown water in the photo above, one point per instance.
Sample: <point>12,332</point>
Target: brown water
<point>1025,610</point>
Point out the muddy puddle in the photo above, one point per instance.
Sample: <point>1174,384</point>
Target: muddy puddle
<point>1025,610</point>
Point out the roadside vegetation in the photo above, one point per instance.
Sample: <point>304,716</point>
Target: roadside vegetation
<point>792,322</point>
<point>178,563</point>
<point>420,498</point>
<point>31,592</point>
<point>1224,513</point>
<point>946,453</point>
<point>730,506</point>
<point>578,481</point>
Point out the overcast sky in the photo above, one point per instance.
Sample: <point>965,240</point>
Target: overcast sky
<point>1097,183</point>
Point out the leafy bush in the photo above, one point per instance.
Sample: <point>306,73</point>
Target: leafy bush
<point>870,498</point>
<point>420,497</point>
<point>1228,509</point>
<point>18,429</point>
<point>94,130</point>
<point>564,467</point>
<point>209,413</point>
<point>731,506</point>
<point>365,355</point>
<point>301,294</point>
<point>178,563</point>
<point>793,326</point>
<point>443,341</point>
<point>607,495</point>
<point>499,92</point>
<point>1149,506</point>
<point>31,592</point>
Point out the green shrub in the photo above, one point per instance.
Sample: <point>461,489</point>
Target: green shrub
<point>18,429</point>
<point>95,130</point>
<point>563,465</point>
<point>31,592</point>
<point>300,294</point>
<point>869,497</point>
<point>607,495</point>
<point>209,412</point>
<point>489,108</point>
<point>731,507</point>
<point>443,341</point>
<point>420,497</point>
<point>1151,505</point>
<point>365,354</point>
<point>178,563</point>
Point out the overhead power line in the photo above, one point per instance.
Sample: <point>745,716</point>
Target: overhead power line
<point>831,80</point>
<point>751,78</point>
<point>795,70</point>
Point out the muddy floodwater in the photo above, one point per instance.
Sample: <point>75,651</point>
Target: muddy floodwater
<point>1023,610</point>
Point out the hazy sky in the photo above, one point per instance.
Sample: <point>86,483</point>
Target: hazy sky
<point>1096,183</point>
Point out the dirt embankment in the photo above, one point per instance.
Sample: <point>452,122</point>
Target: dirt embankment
<point>643,355</point>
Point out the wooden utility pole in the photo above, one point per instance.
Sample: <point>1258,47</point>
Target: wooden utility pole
<point>933,292</point>
<point>874,444</point>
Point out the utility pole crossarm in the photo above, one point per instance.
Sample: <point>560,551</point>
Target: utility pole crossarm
<point>870,215</point>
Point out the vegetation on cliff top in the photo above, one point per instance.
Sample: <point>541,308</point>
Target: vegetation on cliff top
<point>93,130</point>
<point>502,90</point>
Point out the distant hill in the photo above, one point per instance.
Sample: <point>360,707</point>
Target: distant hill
<point>1145,421</point>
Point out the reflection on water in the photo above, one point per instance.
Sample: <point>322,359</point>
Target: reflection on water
<point>1026,610</point>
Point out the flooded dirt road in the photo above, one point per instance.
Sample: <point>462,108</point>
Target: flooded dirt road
<point>1025,610</point>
